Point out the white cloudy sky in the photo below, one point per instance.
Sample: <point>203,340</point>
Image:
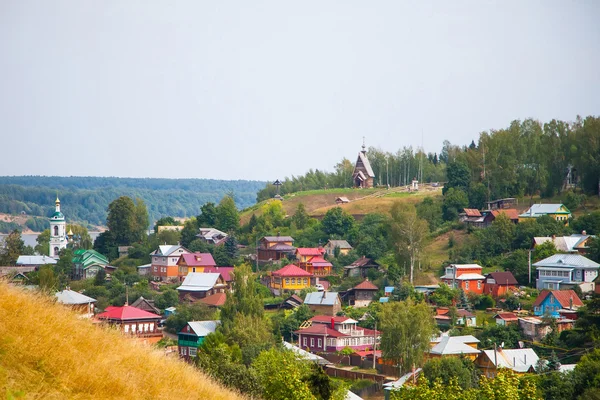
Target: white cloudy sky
<point>266,89</point>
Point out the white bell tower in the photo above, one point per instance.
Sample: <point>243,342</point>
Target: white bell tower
<point>58,231</point>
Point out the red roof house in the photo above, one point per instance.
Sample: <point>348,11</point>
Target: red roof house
<point>290,278</point>
<point>194,262</point>
<point>551,301</point>
<point>133,321</point>
<point>506,318</point>
<point>214,300</point>
<point>362,294</point>
<point>330,334</point>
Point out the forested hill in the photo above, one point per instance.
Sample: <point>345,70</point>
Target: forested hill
<point>85,199</point>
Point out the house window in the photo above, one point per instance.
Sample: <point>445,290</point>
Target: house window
<point>305,281</point>
<point>478,284</point>
<point>293,281</point>
<point>184,351</point>
<point>55,230</point>
<point>155,269</point>
<point>320,343</point>
<point>287,281</point>
<point>304,341</point>
<point>126,328</point>
<point>551,299</point>
<point>194,269</point>
<point>312,342</point>
<point>193,351</point>
<point>466,285</point>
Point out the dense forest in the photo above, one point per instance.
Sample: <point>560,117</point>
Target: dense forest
<point>528,157</point>
<point>85,199</point>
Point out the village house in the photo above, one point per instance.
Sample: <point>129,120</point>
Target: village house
<point>454,346</point>
<point>576,243</point>
<point>194,262</point>
<point>198,285</point>
<point>565,271</point>
<point>87,263</point>
<point>464,276</point>
<point>550,302</point>
<point>144,270</point>
<point>133,322</point>
<point>536,328</point>
<point>506,318</point>
<point>362,294</point>
<point>511,213</point>
<point>212,236</point>
<point>274,248</point>
<point>325,303</point>
<point>501,203</point>
<point>499,283</point>
<point>290,278</point>
<point>226,273</point>
<point>80,303</point>
<point>360,267</point>
<point>146,305</point>
<point>462,317</point>
<point>363,173</point>
<point>331,245</point>
<point>520,361</point>
<point>341,200</point>
<point>192,336</point>
<point>331,334</point>
<point>214,300</point>
<point>472,217</point>
<point>557,211</point>
<point>164,262</point>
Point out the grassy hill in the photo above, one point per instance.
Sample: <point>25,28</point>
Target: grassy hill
<point>46,352</point>
<point>362,201</point>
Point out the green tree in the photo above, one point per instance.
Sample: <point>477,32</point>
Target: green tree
<point>407,330</point>
<point>43,243</point>
<point>122,221</point>
<point>100,277</point>
<point>458,177</point>
<point>455,200</point>
<point>47,279</point>
<point>188,312</point>
<point>543,251</point>
<point>81,237</point>
<point>337,222</point>
<point>244,298</point>
<point>12,248</point>
<point>189,232</point>
<point>408,233</point>
<point>373,236</point>
<point>141,219</point>
<point>447,368</point>
<point>168,236</point>
<point>300,217</point>
<point>165,221</point>
<point>167,298</point>
<point>226,213</point>
<point>587,375</point>
<point>444,296</point>
<point>431,211</point>
<point>208,216</point>
<point>498,334</point>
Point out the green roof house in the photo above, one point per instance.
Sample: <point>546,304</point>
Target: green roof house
<point>87,263</point>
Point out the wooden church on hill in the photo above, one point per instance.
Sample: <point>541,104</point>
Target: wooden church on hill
<point>363,173</point>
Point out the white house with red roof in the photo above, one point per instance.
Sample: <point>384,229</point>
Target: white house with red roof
<point>331,334</point>
<point>133,322</point>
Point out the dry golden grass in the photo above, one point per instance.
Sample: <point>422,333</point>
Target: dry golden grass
<point>46,352</point>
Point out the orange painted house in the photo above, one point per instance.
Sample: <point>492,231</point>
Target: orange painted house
<point>311,260</point>
<point>497,284</point>
<point>464,276</point>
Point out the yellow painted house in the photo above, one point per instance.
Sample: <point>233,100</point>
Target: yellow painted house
<point>557,211</point>
<point>291,278</point>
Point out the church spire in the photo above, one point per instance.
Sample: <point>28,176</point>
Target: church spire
<point>364,146</point>
<point>57,203</point>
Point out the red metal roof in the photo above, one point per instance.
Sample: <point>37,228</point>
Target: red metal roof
<point>368,353</point>
<point>507,316</point>
<point>320,329</point>
<point>226,272</point>
<point>199,260</point>
<point>511,213</point>
<point>319,261</point>
<point>126,313</point>
<point>216,300</point>
<point>562,296</point>
<point>472,212</point>
<point>365,285</point>
<point>310,251</point>
<point>327,319</point>
<point>291,270</point>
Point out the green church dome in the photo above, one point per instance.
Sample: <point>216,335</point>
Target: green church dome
<point>57,215</point>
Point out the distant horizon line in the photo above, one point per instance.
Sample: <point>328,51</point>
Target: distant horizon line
<point>129,177</point>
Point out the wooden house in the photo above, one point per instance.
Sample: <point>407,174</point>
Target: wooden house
<point>290,278</point>
<point>557,211</point>
<point>325,303</point>
<point>330,334</point>
<point>501,203</point>
<point>472,217</point>
<point>192,336</point>
<point>164,262</point>
<point>331,245</point>
<point>511,213</point>
<point>360,267</point>
<point>194,262</point>
<point>146,305</point>
<point>341,200</point>
<point>80,303</point>
<point>274,248</point>
<point>520,361</point>
<point>133,322</point>
<point>454,346</point>
<point>464,276</point>
<point>498,284</point>
<point>506,318</point>
<point>198,285</point>
<point>550,302</point>
<point>362,294</point>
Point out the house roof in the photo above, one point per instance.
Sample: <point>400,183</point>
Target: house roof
<point>278,238</point>
<point>126,313</point>
<point>453,345</point>
<point>472,212</point>
<point>567,260</point>
<point>327,319</point>
<point>321,298</point>
<point>342,199</point>
<point>167,250</point>
<point>464,313</point>
<point>464,277</point>
<point>365,285</point>
<point>203,328</point>
<point>199,260</point>
<point>564,243</point>
<point>282,247</point>
<point>35,260</point>
<point>463,338</point>
<point>562,296</point>
<point>212,234</point>
<point>342,244</point>
<point>320,329</point>
<point>503,277</point>
<point>466,266</point>
<point>72,297</point>
<point>363,157</point>
<point>519,360</point>
<point>310,251</point>
<point>199,281</point>
<point>507,316</point>
<point>88,257</point>
<point>226,272</point>
<point>148,303</point>
<point>215,300</point>
<point>306,355</point>
<point>318,261</point>
<point>511,213</point>
<point>291,270</point>
<point>363,261</point>
<point>144,266</point>
<point>538,210</point>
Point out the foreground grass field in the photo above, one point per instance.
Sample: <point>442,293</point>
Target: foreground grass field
<point>46,352</point>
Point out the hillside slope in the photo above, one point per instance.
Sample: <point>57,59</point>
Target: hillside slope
<point>46,352</point>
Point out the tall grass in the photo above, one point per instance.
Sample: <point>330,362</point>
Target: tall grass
<point>46,352</point>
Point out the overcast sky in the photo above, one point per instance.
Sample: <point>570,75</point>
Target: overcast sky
<point>263,90</point>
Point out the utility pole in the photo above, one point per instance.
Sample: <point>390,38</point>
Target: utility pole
<point>529,262</point>
<point>375,344</point>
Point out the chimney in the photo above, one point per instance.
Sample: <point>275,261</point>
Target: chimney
<point>525,358</point>
<point>332,323</point>
<point>583,232</point>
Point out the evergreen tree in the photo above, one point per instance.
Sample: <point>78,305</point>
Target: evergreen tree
<point>12,248</point>
<point>227,217</point>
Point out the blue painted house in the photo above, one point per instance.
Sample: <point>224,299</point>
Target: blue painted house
<point>549,302</point>
<point>192,336</point>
